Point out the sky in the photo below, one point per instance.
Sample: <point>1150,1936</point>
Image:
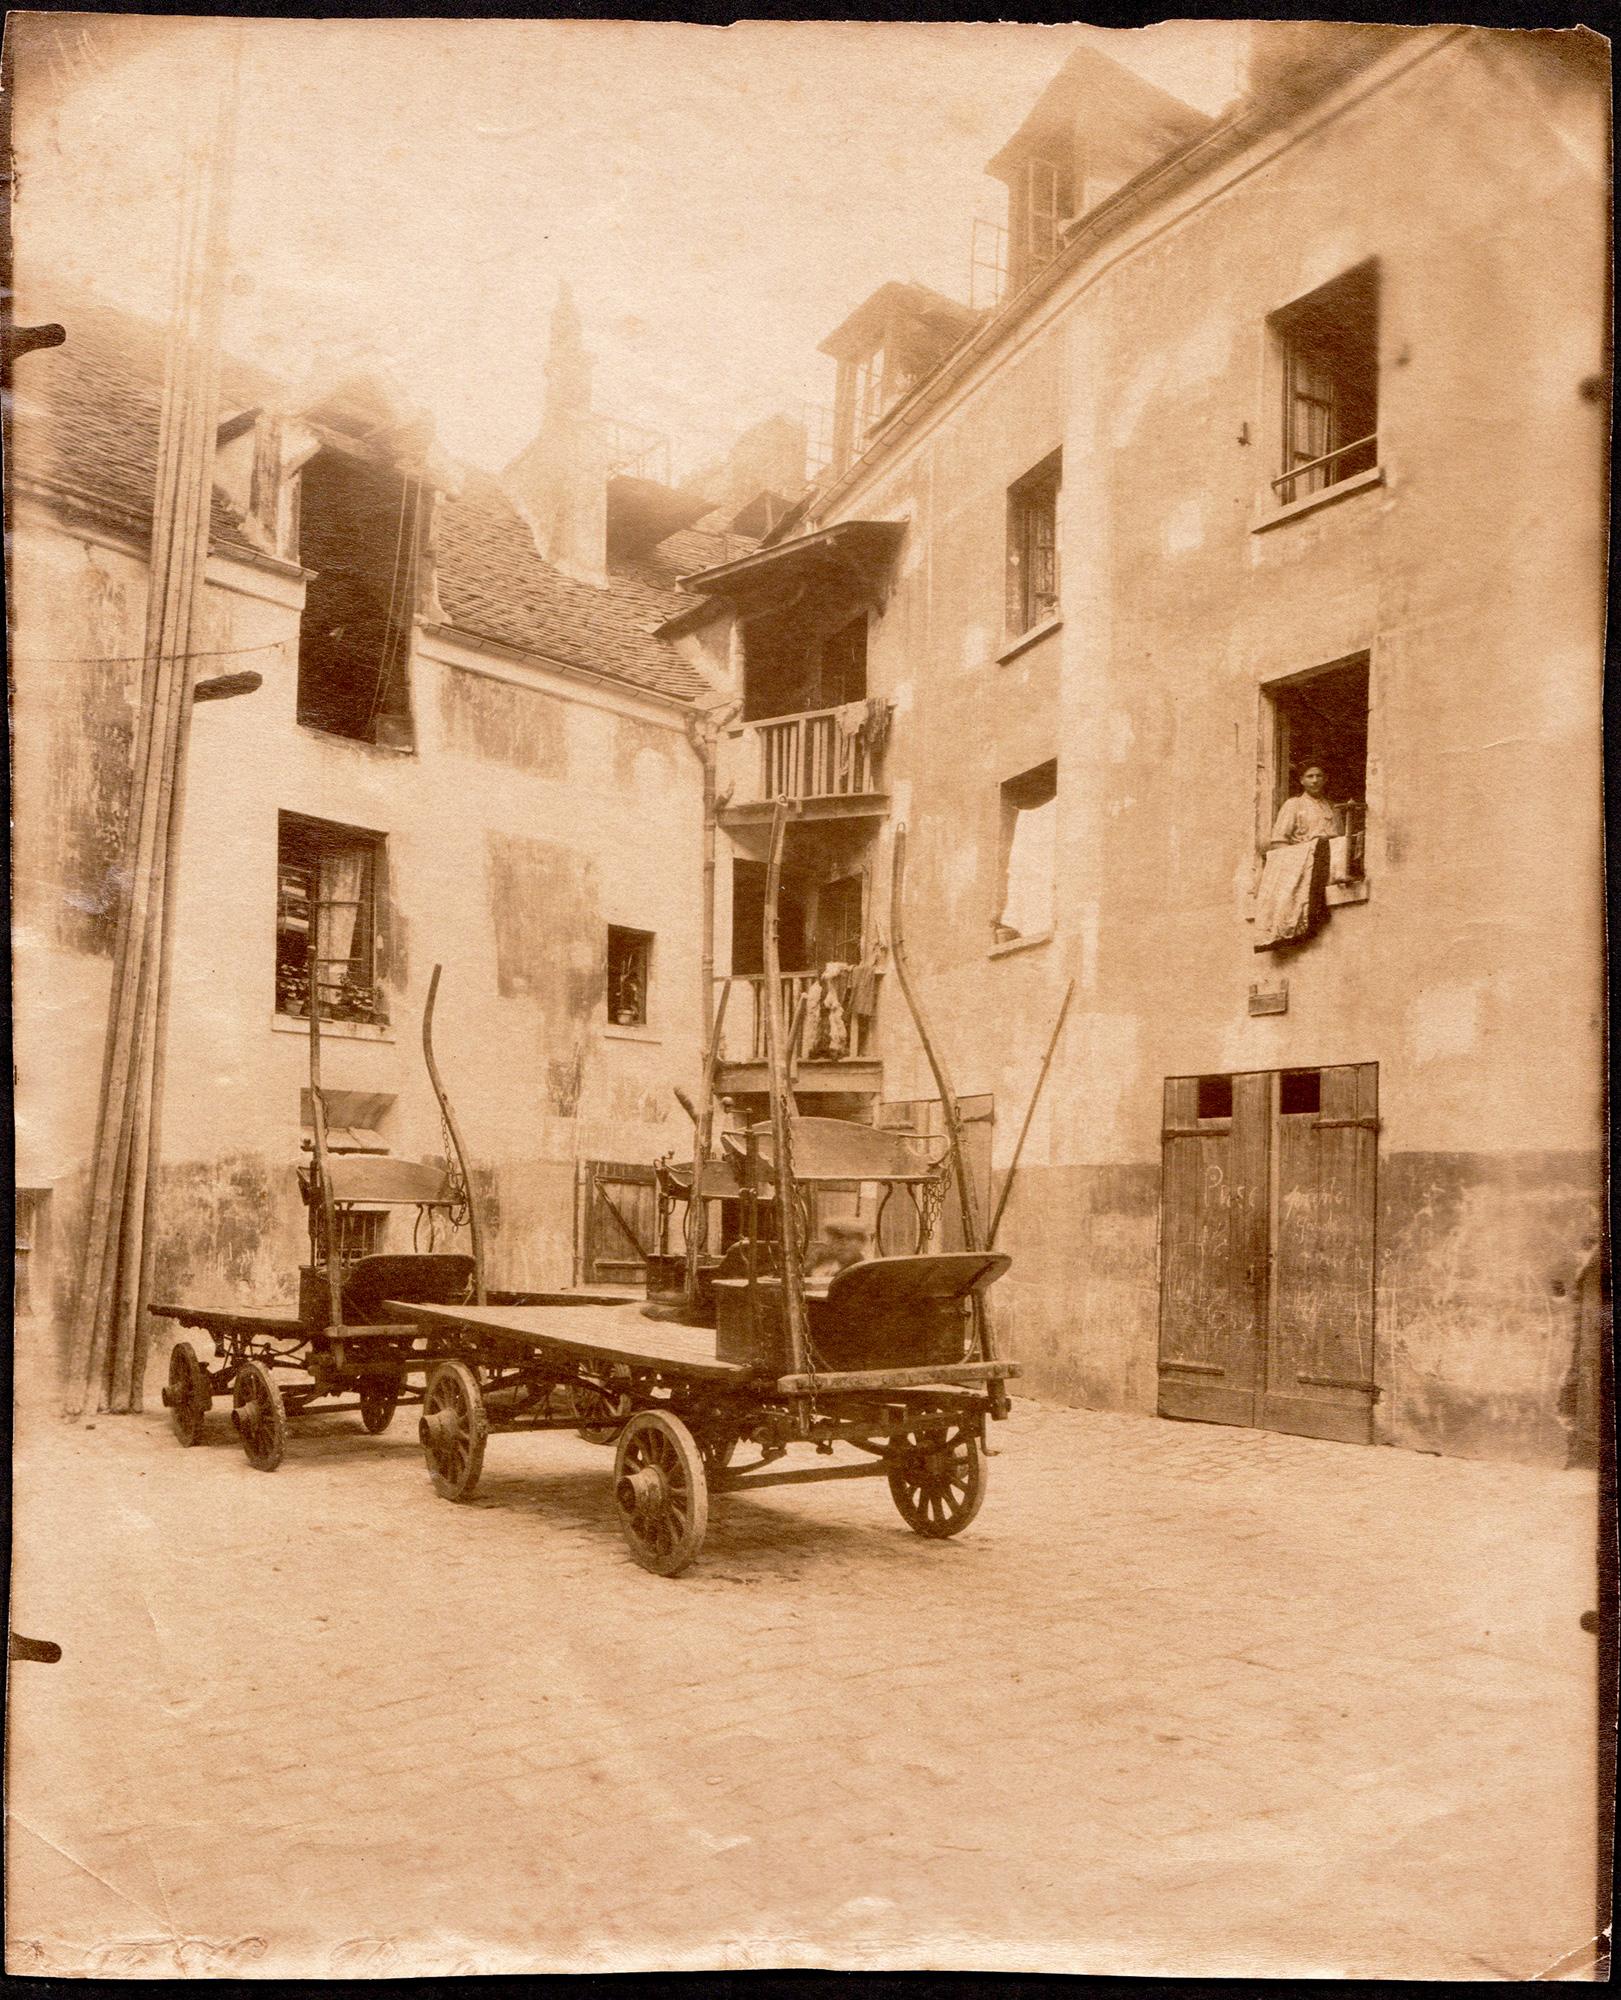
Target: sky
<point>411,193</point>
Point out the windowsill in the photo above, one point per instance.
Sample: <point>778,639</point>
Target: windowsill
<point>1273,517</point>
<point>613,1032</point>
<point>1013,647</point>
<point>343,1031</point>
<point>1336,896</point>
<point>1019,944</point>
<point>359,742</point>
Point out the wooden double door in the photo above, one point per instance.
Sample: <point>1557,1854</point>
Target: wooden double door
<point>1267,1250</point>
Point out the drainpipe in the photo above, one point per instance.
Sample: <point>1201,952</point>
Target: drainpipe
<point>703,733</point>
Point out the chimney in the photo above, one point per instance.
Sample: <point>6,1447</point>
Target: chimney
<point>560,478</point>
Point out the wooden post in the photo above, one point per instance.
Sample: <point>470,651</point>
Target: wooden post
<point>322,1190</point>
<point>967,1201</point>
<point>793,1294</point>
<point>475,1214</point>
<point>1030,1112</point>
<point>704,1123</point>
<point>108,1342</point>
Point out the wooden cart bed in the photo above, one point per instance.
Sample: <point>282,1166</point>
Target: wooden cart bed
<point>617,1334</point>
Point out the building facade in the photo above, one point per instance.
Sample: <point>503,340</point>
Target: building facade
<point>1287,453</point>
<point>466,742</point>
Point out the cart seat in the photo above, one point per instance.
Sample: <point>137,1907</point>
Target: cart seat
<point>878,1283</point>
<point>837,1149</point>
<point>383,1180</point>
<point>900,1312</point>
<point>719,1181</point>
<point>434,1278</point>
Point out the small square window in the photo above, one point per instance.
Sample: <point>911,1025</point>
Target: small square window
<point>1215,1097</point>
<point>326,919</point>
<point>630,964</point>
<point>1032,546</point>
<point>1029,854</point>
<point>1300,1091</point>
<point>1329,346</point>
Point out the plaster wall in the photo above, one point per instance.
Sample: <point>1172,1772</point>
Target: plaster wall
<point>536,809</point>
<point>1471,575</point>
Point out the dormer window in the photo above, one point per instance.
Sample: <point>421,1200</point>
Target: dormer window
<point>883,350</point>
<point>360,526</point>
<point>870,395</point>
<point>1041,199</point>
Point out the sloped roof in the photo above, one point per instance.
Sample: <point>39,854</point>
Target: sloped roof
<point>1105,91</point>
<point>493,584</point>
<point>86,426</point>
<point>85,414</point>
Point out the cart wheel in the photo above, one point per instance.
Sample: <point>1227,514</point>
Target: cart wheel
<point>661,1492</point>
<point>260,1416</point>
<point>187,1394</point>
<point>454,1430</point>
<point>937,1482</point>
<point>603,1416</point>
<point>379,1398</point>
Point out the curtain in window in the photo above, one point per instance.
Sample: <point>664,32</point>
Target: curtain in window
<point>1313,421</point>
<point>1031,864</point>
<point>344,884</point>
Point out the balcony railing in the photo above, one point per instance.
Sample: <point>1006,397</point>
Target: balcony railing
<point>744,1039</point>
<point>814,756</point>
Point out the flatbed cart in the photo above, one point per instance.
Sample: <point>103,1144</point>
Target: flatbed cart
<point>337,1350</point>
<point>889,1358</point>
<point>684,1412</point>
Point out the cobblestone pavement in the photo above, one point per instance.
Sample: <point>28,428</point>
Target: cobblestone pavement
<point>1182,1700</point>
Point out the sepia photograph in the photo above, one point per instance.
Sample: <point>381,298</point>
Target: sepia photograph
<point>808,979</point>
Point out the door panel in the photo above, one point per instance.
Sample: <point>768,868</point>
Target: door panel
<point>1319,1350</point>
<point>621,1222</point>
<point>1213,1251</point>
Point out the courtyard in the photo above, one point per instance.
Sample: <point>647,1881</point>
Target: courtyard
<point>1184,1700</point>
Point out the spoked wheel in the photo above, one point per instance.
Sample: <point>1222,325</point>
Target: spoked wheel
<point>937,1481</point>
<point>602,1417</point>
<point>661,1492</point>
<point>379,1398</point>
<point>717,1445</point>
<point>187,1394</point>
<point>260,1416</point>
<point>454,1430</point>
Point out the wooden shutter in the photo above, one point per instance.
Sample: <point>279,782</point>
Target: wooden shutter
<point>621,1221</point>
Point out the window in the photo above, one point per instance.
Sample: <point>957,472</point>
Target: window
<point>838,921</point>
<point>870,401</point>
<point>630,958</point>
<point>1029,854</point>
<point>1300,1091</point>
<point>359,531</point>
<point>1321,719</point>
<point>1215,1097</point>
<point>1329,347</point>
<point>32,1219</point>
<point>326,912</point>
<point>360,1232</point>
<point>1032,547</point>
<point>794,665</point>
<point>1040,202</point>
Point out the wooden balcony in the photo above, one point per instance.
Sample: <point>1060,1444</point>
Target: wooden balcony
<point>813,758</point>
<point>817,1066</point>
